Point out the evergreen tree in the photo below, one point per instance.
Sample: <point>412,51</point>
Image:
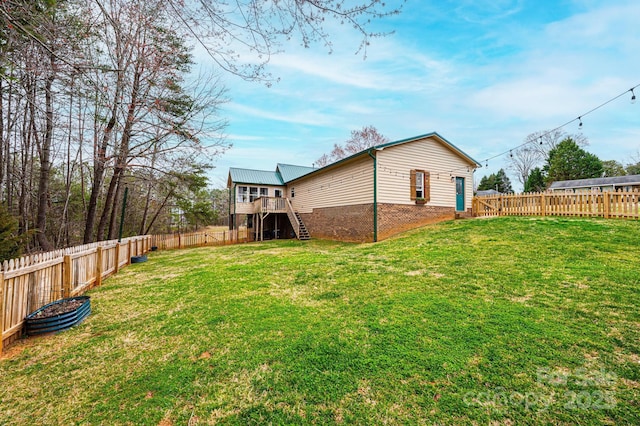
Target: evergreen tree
<point>487,182</point>
<point>503,182</point>
<point>10,240</point>
<point>568,161</point>
<point>535,181</point>
<point>497,181</point>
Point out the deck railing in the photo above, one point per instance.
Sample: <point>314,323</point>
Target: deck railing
<point>269,205</point>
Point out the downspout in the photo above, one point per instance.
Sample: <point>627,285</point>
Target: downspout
<point>375,195</point>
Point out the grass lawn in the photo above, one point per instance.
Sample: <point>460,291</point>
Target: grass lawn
<point>503,321</point>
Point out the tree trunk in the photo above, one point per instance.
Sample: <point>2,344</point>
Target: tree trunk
<point>108,203</point>
<point>113,228</point>
<point>155,216</point>
<point>45,167</point>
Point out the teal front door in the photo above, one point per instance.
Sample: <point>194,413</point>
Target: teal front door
<point>460,194</point>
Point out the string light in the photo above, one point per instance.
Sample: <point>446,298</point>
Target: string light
<point>579,119</point>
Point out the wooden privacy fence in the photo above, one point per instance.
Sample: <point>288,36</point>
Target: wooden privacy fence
<point>621,204</point>
<point>200,239</point>
<point>30,282</point>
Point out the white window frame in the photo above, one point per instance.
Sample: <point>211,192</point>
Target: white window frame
<point>242,194</point>
<point>419,184</point>
<point>253,193</point>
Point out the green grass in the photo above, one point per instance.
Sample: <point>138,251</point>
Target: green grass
<point>504,321</point>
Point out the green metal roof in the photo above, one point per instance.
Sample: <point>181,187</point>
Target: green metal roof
<point>380,147</point>
<point>286,173</point>
<point>257,177</point>
<point>290,172</point>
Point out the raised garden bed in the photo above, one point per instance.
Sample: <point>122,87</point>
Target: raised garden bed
<point>58,316</point>
<point>139,259</point>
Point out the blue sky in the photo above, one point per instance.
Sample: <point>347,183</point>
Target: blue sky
<point>482,73</point>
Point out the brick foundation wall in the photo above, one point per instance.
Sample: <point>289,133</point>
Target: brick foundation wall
<point>355,223</point>
<point>346,223</point>
<point>396,218</point>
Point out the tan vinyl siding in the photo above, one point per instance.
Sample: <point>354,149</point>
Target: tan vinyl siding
<point>247,208</point>
<point>394,171</point>
<point>348,184</point>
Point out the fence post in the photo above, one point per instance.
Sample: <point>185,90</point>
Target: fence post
<point>543,205</point>
<point>66,277</point>
<point>98,266</point>
<point>117,258</point>
<point>179,241</point>
<point>128,252</point>
<point>606,199</point>
<point>1,308</point>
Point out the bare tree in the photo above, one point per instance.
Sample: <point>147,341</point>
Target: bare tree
<point>545,141</point>
<point>360,140</point>
<point>363,139</point>
<point>535,150</point>
<point>241,37</point>
<point>524,159</point>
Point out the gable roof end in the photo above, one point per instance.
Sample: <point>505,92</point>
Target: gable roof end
<point>437,136</point>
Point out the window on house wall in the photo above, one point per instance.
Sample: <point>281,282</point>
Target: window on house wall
<point>264,192</point>
<point>242,194</point>
<point>420,185</point>
<point>253,193</point>
<point>278,193</point>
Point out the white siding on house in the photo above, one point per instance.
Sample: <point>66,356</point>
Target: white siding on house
<point>348,184</point>
<point>247,207</point>
<point>396,162</point>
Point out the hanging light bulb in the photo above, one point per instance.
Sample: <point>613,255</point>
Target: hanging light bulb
<point>633,96</point>
<point>580,124</point>
<point>510,154</point>
<point>487,165</point>
<point>540,140</point>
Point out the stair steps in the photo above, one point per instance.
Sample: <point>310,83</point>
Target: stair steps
<point>304,233</point>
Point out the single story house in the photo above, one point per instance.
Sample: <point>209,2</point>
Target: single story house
<point>614,183</point>
<point>367,196</point>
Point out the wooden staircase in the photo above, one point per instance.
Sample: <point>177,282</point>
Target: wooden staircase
<point>296,221</point>
<point>303,234</point>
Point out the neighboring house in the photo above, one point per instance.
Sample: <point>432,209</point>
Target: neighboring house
<point>615,183</point>
<point>486,192</point>
<point>367,196</point>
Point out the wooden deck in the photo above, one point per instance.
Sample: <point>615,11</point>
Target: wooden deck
<point>270,205</point>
